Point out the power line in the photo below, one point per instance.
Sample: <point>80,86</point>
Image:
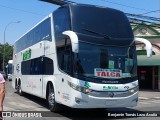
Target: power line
<point>143,17</point>
<point>128,14</point>
<point>143,22</point>
<point>57,2</point>
<point>150,12</point>
<point>125,5</point>
<point>140,16</point>
<point>22,10</point>
<point>131,7</point>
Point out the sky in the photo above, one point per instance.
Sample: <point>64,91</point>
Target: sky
<point>30,12</point>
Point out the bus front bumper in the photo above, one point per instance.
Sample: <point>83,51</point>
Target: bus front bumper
<point>91,101</point>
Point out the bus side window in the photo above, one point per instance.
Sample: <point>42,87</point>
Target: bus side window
<point>64,56</point>
<point>66,62</point>
<point>61,21</point>
<point>47,66</point>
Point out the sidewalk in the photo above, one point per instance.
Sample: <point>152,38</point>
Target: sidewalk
<point>150,94</point>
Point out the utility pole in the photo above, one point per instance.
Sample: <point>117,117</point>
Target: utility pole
<point>4,49</point>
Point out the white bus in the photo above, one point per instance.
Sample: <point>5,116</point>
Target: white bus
<point>9,70</point>
<point>81,56</point>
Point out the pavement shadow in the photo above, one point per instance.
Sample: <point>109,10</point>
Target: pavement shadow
<point>105,114</point>
<point>89,114</point>
<point>100,114</point>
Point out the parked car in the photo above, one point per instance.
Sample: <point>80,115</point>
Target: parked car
<point>4,74</point>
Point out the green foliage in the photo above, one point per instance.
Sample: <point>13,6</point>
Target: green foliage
<point>8,54</point>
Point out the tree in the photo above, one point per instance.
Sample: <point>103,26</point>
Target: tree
<point>8,54</point>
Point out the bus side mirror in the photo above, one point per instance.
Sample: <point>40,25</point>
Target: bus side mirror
<point>74,40</point>
<point>148,45</point>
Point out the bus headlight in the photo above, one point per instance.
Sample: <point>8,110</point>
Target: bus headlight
<point>133,90</point>
<point>79,88</point>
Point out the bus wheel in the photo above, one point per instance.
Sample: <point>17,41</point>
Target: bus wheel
<point>53,105</point>
<point>16,87</point>
<point>19,89</point>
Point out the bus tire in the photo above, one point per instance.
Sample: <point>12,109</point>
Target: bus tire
<point>20,92</point>
<point>53,105</point>
<point>16,86</point>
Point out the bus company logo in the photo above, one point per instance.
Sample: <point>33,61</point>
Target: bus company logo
<point>65,96</point>
<point>110,88</point>
<point>87,85</point>
<point>126,87</point>
<point>110,82</point>
<point>27,54</point>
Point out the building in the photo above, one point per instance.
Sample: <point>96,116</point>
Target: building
<point>148,68</point>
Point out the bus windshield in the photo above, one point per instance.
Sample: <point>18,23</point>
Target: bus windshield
<point>106,62</point>
<point>106,21</point>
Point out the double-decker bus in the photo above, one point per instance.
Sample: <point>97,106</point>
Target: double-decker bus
<point>81,56</point>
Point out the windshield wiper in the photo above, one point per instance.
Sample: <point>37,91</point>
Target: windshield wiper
<point>97,33</point>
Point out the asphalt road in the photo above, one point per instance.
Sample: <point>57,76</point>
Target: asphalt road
<point>21,107</point>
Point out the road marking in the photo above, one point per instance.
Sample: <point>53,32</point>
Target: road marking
<point>150,102</point>
<point>155,101</point>
<point>144,102</point>
<point>143,98</point>
<point>157,97</point>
